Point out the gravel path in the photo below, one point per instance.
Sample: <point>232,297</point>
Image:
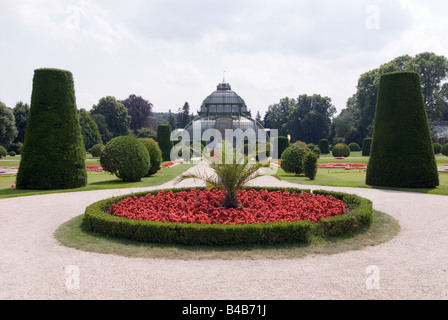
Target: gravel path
<point>33,265</point>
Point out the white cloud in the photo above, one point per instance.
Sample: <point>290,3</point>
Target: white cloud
<point>172,51</point>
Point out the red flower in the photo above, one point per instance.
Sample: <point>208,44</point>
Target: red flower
<point>202,206</point>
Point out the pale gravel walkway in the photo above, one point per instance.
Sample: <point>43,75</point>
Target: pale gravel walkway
<point>414,265</point>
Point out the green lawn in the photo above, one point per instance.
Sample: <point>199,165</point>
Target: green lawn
<point>356,178</point>
<point>95,180</point>
<point>325,177</point>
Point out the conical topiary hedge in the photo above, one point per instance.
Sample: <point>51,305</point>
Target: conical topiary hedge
<point>164,140</point>
<point>53,154</point>
<point>401,153</point>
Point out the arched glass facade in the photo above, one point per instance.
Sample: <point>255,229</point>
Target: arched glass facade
<point>223,110</point>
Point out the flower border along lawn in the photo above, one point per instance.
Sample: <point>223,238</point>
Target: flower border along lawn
<point>97,181</point>
<point>357,178</point>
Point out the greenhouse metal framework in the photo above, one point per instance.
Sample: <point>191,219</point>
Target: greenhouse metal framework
<point>221,110</point>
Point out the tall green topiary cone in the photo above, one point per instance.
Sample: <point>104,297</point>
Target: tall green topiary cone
<point>53,155</point>
<point>366,146</point>
<point>324,146</point>
<point>164,140</point>
<point>401,153</point>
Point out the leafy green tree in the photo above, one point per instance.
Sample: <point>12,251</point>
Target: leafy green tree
<point>183,116</point>
<point>21,113</point>
<point>310,119</point>
<point>346,124</point>
<point>171,119</point>
<point>277,115</point>
<point>115,114</point>
<point>146,133</point>
<point>441,108</point>
<point>89,130</point>
<point>433,70</point>
<point>140,111</point>
<point>101,123</point>
<point>258,117</point>
<point>8,130</point>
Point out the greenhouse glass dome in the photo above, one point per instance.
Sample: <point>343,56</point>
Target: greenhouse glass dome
<point>222,110</point>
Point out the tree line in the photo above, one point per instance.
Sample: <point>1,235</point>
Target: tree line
<point>307,118</point>
<point>107,119</point>
<point>311,118</point>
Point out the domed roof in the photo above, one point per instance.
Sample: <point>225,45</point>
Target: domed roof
<point>222,110</point>
<point>223,100</point>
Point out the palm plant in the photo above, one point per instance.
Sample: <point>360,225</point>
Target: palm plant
<point>229,174</point>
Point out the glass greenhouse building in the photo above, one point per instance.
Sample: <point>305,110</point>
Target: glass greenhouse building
<point>223,110</point>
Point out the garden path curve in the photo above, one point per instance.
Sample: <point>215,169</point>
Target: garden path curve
<point>413,265</point>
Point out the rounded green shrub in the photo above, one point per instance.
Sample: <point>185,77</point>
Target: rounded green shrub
<point>16,147</point>
<point>340,150</point>
<point>97,219</point>
<point>444,150</point>
<point>155,155</point>
<point>401,131</point>
<point>324,146</point>
<point>366,146</point>
<point>292,158</point>
<point>126,157</point>
<point>53,153</point>
<point>282,144</point>
<point>310,165</point>
<point>12,153</point>
<point>354,147</point>
<point>97,149</point>
<point>316,150</point>
<point>164,140</point>
<point>437,148</point>
<point>3,152</point>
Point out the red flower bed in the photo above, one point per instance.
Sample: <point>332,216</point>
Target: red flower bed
<point>96,168</point>
<point>203,206</point>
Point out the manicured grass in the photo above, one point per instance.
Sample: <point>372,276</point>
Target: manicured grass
<point>74,235</point>
<point>356,178</point>
<point>95,180</point>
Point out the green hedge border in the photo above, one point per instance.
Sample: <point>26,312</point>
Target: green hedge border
<point>358,217</point>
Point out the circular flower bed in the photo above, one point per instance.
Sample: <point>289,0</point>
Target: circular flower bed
<point>266,216</point>
<point>203,207</point>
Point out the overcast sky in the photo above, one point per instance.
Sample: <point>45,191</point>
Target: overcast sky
<point>176,51</point>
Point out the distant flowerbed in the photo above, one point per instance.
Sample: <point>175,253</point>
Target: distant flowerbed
<point>94,168</point>
<point>346,166</point>
<point>171,164</point>
<point>8,172</point>
<point>203,207</point>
